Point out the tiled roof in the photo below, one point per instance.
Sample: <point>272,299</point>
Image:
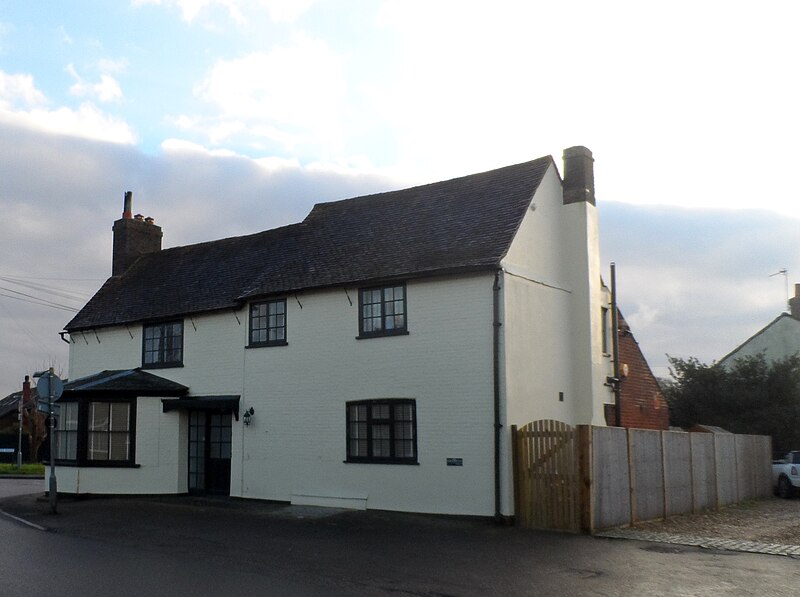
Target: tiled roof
<point>10,403</point>
<point>458,225</point>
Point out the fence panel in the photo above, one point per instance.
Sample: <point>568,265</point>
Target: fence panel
<point>611,503</point>
<point>677,472</point>
<point>547,489</point>
<point>763,449</point>
<point>704,476</point>
<point>647,474</point>
<point>630,475</point>
<point>725,461</point>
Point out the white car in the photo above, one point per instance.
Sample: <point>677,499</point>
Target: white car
<point>786,474</point>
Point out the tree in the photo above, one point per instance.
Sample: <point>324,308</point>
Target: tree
<point>752,396</point>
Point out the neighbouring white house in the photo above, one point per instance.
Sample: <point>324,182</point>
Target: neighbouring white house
<point>374,355</point>
<point>776,341</point>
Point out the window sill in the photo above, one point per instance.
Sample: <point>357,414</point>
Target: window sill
<point>162,366</point>
<point>266,344</point>
<point>382,461</point>
<point>93,464</point>
<point>382,335</point>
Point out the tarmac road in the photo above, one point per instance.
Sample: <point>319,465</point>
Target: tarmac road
<point>179,545</point>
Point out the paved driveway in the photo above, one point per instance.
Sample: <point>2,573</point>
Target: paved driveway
<point>10,487</point>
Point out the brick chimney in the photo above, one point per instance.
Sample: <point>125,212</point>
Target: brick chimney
<point>578,175</point>
<point>133,237</point>
<point>794,303</point>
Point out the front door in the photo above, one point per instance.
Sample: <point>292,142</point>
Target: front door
<point>209,452</point>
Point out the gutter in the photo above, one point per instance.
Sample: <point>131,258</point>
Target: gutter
<point>496,382</point>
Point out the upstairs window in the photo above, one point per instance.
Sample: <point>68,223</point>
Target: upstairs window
<point>383,311</point>
<point>382,431</point>
<point>163,345</point>
<point>268,323</point>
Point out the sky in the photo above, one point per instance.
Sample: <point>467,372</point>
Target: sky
<point>227,117</point>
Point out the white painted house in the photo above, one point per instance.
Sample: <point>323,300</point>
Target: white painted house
<point>778,340</point>
<point>374,355</point>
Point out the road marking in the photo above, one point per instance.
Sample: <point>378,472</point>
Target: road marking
<point>23,521</point>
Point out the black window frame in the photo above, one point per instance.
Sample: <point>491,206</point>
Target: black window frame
<point>83,432</point>
<point>162,350</point>
<point>383,315</point>
<point>370,422</point>
<point>277,342</point>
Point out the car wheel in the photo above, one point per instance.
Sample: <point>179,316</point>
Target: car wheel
<point>784,488</point>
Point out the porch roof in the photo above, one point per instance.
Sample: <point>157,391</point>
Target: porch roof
<point>213,403</point>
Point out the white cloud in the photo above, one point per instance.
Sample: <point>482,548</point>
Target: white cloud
<point>108,65</point>
<point>65,37</point>
<point>293,94</point>
<point>280,11</point>
<point>181,145</point>
<point>23,104</point>
<point>87,122</point>
<point>106,90</point>
<point>286,11</point>
<point>19,91</point>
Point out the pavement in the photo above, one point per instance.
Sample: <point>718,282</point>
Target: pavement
<point>773,549</point>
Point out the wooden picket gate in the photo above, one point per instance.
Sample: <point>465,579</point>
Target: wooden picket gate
<point>547,491</point>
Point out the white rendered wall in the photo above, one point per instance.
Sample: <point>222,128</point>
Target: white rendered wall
<point>213,364</point>
<point>551,320</point>
<point>779,340</point>
<point>295,448</point>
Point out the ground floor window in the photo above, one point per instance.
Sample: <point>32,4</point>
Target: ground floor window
<point>109,431</point>
<point>96,432</point>
<point>383,431</point>
<point>67,432</point>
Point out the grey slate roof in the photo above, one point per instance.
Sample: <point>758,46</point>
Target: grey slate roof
<point>458,225</point>
<point>10,404</point>
<point>133,381</point>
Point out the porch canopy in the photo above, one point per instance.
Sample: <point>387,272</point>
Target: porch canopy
<point>211,403</point>
<point>123,382</point>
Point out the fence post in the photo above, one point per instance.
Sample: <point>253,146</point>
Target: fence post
<point>515,469</point>
<point>631,475</point>
<point>585,478</point>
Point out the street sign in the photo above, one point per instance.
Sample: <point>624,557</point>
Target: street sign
<point>50,385</point>
<point>50,388</point>
<point>44,407</point>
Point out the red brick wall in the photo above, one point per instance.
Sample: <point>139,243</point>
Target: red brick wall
<point>642,403</point>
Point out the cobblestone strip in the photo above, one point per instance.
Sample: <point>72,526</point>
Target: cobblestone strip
<point>704,542</point>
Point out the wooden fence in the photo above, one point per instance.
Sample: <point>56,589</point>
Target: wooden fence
<point>590,478</point>
<point>547,480</point>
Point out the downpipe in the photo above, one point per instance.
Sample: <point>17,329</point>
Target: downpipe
<point>496,383</point>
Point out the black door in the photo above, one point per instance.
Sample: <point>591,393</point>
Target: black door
<point>209,452</point>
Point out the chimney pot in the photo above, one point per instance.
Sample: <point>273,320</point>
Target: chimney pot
<point>138,217</point>
<point>128,206</point>
<point>149,220</point>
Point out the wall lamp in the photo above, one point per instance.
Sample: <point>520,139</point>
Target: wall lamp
<point>247,415</point>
